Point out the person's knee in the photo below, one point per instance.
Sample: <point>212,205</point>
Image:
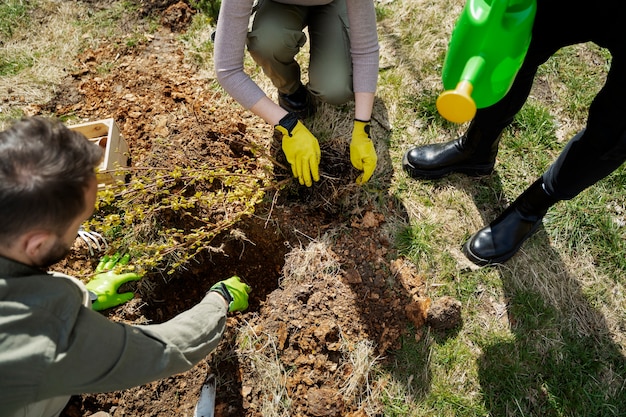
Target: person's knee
<point>332,93</point>
<point>270,43</point>
<point>261,43</point>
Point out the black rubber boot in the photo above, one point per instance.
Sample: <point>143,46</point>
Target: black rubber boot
<point>499,241</point>
<point>300,103</point>
<point>473,154</point>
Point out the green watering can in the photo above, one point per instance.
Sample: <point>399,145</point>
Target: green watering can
<point>486,50</point>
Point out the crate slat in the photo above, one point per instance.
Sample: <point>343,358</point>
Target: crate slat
<point>106,134</point>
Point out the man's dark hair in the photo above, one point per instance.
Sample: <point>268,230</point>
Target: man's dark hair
<point>44,171</point>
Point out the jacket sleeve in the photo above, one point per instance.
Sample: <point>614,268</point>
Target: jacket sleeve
<point>101,355</point>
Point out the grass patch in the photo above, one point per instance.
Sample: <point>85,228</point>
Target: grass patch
<point>415,241</point>
<point>535,335</point>
<point>430,377</point>
<point>594,223</point>
<point>534,126</point>
<point>547,369</point>
<point>13,16</point>
<point>209,8</point>
<point>581,69</point>
<point>14,64</point>
<point>198,39</point>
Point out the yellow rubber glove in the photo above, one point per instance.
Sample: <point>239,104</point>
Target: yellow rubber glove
<point>301,149</point>
<point>106,282</point>
<point>362,152</point>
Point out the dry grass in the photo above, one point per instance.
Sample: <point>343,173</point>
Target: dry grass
<point>50,44</point>
<point>359,386</point>
<point>316,257</point>
<point>260,351</point>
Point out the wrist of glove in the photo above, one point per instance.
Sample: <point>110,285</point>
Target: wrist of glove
<point>106,282</point>
<point>234,292</point>
<point>301,149</point>
<point>287,124</point>
<point>362,152</point>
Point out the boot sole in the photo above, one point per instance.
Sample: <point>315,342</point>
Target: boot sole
<point>500,259</point>
<point>432,174</point>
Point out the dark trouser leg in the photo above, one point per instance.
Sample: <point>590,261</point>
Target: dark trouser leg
<point>275,39</point>
<point>590,156</point>
<point>330,63</point>
<point>475,152</point>
<point>600,148</point>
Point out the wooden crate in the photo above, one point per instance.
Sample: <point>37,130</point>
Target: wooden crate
<point>106,134</point>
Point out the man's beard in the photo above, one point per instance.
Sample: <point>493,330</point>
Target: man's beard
<point>56,253</point>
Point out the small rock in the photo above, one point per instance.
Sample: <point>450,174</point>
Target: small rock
<point>444,313</point>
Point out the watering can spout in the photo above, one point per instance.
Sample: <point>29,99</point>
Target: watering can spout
<point>457,105</point>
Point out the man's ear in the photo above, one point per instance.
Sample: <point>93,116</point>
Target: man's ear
<point>37,243</point>
<point>29,247</point>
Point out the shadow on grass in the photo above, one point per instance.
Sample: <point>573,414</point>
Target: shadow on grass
<point>561,360</point>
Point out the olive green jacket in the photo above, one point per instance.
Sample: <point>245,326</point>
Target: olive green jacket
<point>52,345</point>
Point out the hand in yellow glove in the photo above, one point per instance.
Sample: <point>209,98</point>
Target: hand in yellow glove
<point>301,149</point>
<point>106,282</point>
<point>362,152</point>
<point>234,292</point>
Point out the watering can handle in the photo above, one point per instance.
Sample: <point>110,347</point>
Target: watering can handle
<point>497,10</point>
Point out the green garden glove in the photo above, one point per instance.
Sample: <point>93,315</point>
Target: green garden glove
<point>362,152</point>
<point>106,282</point>
<point>301,149</point>
<point>234,292</point>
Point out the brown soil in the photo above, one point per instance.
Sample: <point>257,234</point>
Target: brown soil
<point>370,294</point>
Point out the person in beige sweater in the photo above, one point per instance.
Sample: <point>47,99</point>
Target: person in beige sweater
<point>343,66</point>
<point>52,343</point>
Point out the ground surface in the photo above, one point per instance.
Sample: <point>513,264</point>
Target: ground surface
<point>325,275</point>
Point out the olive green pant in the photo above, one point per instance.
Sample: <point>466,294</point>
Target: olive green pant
<point>277,36</point>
